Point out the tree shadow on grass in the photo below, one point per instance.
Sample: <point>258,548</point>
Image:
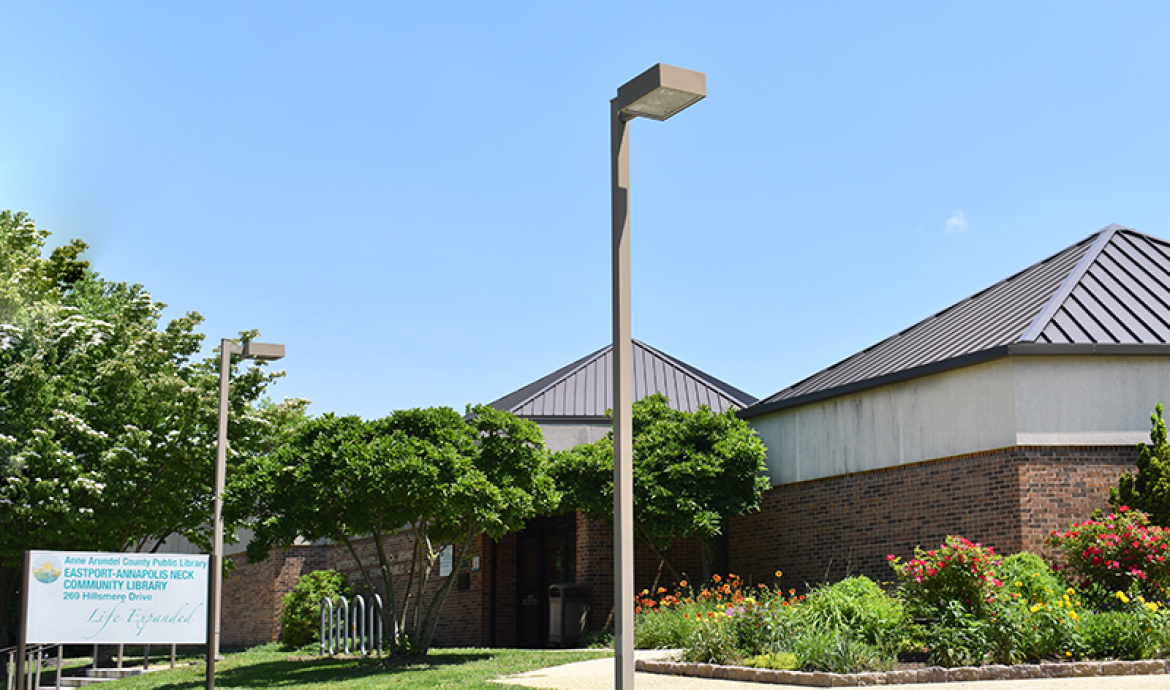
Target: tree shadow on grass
<point>323,670</point>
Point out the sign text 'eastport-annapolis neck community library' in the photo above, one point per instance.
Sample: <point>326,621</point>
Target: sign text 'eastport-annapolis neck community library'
<point>88,598</point>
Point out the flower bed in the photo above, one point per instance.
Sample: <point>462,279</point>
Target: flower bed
<point>957,606</point>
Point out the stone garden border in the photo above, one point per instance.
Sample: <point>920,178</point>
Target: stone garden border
<point>931,674</point>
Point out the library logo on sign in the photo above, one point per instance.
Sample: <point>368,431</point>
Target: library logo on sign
<point>47,569</point>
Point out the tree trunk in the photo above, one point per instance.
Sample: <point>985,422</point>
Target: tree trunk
<point>657,552</point>
<point>431,622</point>
<point>707,552</point>
<point>8,579</point>
<point>390,605</point>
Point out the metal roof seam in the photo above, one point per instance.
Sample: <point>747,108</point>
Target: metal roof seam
<point>1140,284</point>
<point>1116,304</point>
<point>1057,299</point>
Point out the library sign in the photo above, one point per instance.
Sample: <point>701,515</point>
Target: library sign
<point>83,597</point>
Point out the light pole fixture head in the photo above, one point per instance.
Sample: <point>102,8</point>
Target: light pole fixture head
<point>267,352</point>
<point>660,92</point>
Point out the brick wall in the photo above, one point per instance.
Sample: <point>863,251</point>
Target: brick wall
<point>1008,498</point>
<point>595,567</point>
<point>465,617</point>
<point>253,593</point>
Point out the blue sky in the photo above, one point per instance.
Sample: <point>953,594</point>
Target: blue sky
<point>414,197</point>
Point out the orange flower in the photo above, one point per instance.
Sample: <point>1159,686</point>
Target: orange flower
<point>791,592</point>
<point>661,590</point>
<point>716,577</point>
<point>683,583</point>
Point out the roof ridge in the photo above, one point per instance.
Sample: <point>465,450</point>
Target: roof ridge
<point>1104,237</point>
<point>907,334</point>
<point>555,377</point>
<point>719,385</point>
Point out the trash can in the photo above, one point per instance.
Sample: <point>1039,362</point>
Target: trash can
<point>568,613</point>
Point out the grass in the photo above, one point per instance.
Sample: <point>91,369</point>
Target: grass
<point>273,666</point>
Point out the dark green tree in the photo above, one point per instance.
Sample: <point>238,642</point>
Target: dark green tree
<point>1149,491</point>
<point>692,471</point>
<point>441,477</point>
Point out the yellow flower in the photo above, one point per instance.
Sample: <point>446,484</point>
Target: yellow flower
<point>778,573</point>
<point>1068,653</point>
<point>1070,591</point>
<point>1152,606</point>
<point>1121,597</point>
<point>1019,584</point>
<point>1035,608</point>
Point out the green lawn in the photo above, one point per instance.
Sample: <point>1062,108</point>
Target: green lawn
<point>271,666</point>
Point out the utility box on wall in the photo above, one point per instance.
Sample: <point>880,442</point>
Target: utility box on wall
<point>568,612</point>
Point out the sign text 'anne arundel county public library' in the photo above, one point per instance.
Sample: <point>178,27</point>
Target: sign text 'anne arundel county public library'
<point>81,597</point>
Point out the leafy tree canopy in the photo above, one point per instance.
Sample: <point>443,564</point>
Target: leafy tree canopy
<point>692,471</point>
<point>440,476</point>
<point>26,279</point>
<point>107,423</point>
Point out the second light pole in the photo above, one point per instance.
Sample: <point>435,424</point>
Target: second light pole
<point>657,93</point>
<point>268,352</point>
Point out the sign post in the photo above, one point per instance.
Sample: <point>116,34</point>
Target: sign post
<point>21,645</point>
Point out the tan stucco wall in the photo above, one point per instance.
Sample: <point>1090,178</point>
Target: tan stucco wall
<point>561,436</point>
<point>1088,400</point>
<point>1018,400</point>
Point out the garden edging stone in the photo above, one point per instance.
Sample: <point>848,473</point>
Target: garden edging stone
<point>931,674</point>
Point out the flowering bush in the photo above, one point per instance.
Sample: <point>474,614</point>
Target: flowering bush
<point>1121,552</point>
<point>958,570</point>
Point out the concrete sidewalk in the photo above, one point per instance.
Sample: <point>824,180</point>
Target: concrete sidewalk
<point>598,675</point>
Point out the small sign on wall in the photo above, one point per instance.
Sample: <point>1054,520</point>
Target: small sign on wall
<point>86,597</point>
<point>446,560</point>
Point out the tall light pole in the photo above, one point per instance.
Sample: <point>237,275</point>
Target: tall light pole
<point>657,93</point>
<point>262,351</point>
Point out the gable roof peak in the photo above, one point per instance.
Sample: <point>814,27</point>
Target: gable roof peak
<point>583,390</point>
<point>1110,289</point>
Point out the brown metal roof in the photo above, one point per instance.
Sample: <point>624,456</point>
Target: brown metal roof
<point>1110,290</point>
<point>583,390</point>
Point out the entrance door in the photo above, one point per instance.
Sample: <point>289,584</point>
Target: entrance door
<point>545,555</point>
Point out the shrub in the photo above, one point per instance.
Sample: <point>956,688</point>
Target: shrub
<point>1113,635</point>
<point>1121,552</point>
<point>958,570</point>
<point>301,617</point>
<point>1149,491</point>
<point>1035,616</point>
<point>662,629</point>
<point>958,638</point>
<point>837,651</point>
<point>761,627</point>
<point>859,605</point>
<point>713,642</point>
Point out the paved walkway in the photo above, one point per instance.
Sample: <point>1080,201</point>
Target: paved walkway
<point>598,675</point>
